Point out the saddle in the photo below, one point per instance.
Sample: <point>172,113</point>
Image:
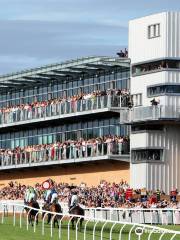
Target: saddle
<point>73,207</point>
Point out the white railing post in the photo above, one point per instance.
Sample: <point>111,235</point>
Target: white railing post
<point>20,218</point>
<point>3,213</point>
<point>130,232</point>
<point>14,216</point>
<point>111,231</point>
<point>120,232</point>
<point>102,229</point>
<point>27,220</point>
<point>85,227</point>
<point>60,224</point>
<point>35,220</point>
<point>43,222</point>
<point>149,237</point>
<point>52,219</point>
<point>77,227</point>
<point>69,227</point>
<point>94,228</point>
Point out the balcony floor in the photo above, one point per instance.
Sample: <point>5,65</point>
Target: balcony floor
<point>123,158</point>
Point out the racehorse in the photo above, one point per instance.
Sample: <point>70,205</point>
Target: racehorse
<point>55,208</point>
<point>32,212</point>
<point>77,210</point>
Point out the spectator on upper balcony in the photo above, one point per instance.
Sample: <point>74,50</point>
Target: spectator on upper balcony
<point>155,102</point>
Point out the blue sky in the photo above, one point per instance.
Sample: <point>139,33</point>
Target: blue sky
<point>38,32</point>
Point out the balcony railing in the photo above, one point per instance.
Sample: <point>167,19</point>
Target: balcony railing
<point>63,155</point>
<point>56,110</point>
<point>149,113</point>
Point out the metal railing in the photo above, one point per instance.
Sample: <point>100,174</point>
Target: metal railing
<point>160,216</point>
<point>151,216</point>
<point>158,112</point>
<point>91,226</point>
<point>58,109</point>
<point>60,153</point>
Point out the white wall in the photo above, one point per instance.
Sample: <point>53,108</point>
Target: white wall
<point>140,84</point>
<point>165,175</point>
<point>148,139</point>
<point>138,176</point>
<point>167,45</point>
<point>141,49</point>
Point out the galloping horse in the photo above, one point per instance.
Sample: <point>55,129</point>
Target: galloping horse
<point>54,208</point>
<point>32,212</point>
<point>77,210</point>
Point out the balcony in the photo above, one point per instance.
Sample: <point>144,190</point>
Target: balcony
<point>63,155</point>
<point>149,113</point>
<point>58,110</point>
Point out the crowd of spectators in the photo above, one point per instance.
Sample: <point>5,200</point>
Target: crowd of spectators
<point>104,194</point>
<point>63,105</point>
<point>69,149</point>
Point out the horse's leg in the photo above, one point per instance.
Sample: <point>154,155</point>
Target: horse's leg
<point>49,218</point>
<point>72,221</point>
<point>29,219</point>
<point>57,221</point>
<point>32,220</point>
<point>80,224</point>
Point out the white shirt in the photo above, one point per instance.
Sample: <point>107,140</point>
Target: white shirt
<point>74,200</point>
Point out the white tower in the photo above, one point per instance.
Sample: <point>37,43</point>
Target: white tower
<point>154,49</point>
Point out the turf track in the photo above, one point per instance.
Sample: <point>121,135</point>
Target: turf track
<point>8,232</point>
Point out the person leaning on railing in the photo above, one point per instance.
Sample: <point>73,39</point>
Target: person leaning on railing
<point>66,150</point>
<point>37,109</point>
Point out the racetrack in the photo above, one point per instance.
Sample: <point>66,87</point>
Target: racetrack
<point>10,232</point>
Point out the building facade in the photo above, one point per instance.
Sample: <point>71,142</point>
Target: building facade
<point>154,50</point>
<point>62,121</point>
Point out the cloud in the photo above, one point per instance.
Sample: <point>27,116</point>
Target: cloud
<point>54,40</point>
<point>35,32</point>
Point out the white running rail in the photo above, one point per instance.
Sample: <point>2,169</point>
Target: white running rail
<point>141,230</point>
<point>151,216</point>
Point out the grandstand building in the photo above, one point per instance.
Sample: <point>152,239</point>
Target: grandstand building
<point>154,50</point>
<point>47,131</point>
<point>41,120</point>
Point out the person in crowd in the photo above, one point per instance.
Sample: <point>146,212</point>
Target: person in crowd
<point>61,105</point>
<point>105,194</point>
<point>111,144</point>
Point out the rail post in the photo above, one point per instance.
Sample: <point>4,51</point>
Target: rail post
<point>43,222</point>
<point>60,224</point>
<point>69,227</point>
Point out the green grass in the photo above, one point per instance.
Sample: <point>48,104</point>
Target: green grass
<point>9,232</point>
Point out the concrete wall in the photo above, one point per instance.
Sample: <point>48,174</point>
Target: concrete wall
<point>91,174</point>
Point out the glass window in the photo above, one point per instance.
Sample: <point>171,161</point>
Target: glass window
<point>163,89</point>
<point>154,31</point>
<point>154,66</point>
<point>147,155</point>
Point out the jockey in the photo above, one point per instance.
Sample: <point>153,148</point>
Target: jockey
<point>54,195</point>
<point>47,195</point>
<point>51,195</point>
<point>74,200</point>
<point>30,194</point>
